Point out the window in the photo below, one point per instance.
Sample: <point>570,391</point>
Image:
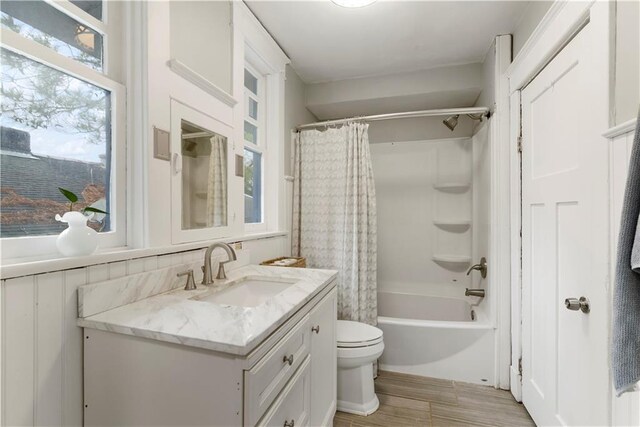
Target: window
<point>255,145</point>
<point>61,123</point>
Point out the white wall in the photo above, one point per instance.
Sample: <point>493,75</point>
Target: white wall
<point>481,154</point>
<point>627,63</point>
<point>408,204</point>
<point>295,112</point>
<point>41,358</point>
<point>443,87</point>
<point>201,38</point>
<point>417,129</point>
<point>487,97</point>
<point>528,22</point>
<point>163,86</point>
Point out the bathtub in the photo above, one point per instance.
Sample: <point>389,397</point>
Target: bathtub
<point>435,337</point>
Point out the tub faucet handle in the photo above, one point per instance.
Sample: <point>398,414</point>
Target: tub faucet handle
<point>481,267</point>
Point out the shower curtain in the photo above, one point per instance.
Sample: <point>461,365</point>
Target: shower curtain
<point>334,213</point>
<point>217,183</point>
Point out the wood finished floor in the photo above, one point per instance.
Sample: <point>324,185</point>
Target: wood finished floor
<point>407,400</point>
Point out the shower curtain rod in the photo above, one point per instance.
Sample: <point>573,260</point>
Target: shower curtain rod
<point>422,113</point>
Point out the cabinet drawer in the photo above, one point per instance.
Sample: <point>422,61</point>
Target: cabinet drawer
<point>266,379</point>
<point>293,404</point>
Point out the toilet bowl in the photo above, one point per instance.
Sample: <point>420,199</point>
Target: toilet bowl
<point>359,345</point>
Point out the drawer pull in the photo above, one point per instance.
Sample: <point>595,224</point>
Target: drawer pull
<point>289,424</point>
<point>289,359</point>
<point>316,329</point>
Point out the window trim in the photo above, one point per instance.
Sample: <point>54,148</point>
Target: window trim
<point>38,246</point>
<point>262,145</point>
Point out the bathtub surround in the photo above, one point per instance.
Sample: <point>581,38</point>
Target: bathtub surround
<point>626,304</point>
<point>334,213</point>
<point>425,223</point>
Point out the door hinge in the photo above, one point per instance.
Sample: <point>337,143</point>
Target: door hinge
<point>520,366</point>
<point>520,144</point>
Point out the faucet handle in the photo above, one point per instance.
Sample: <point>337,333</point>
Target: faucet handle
<point>222,275</point>
<point>191,284</point>
<point>481,267</point>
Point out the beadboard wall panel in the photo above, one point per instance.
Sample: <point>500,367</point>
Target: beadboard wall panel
<point>41,357</point>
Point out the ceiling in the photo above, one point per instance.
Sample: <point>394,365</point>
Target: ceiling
<point>327,42</point>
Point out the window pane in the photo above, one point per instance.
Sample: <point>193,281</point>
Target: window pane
<point>55,132</point>
<point>253,108</point>
<point>38,21</point>
<point>252,186</point>
<point>92,7</point>
<point>250,133</point>
<point>250,82</point>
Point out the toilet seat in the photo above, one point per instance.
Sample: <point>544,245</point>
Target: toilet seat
<point>356,335</point>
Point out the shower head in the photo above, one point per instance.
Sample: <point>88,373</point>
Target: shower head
<point>189,145</point>
<point>451,122</point>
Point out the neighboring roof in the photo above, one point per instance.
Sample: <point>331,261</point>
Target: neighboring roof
<point>29,190</point>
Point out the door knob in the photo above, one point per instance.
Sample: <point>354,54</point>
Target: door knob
<point>576,304</point>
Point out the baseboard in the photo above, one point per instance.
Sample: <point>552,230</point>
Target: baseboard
<point>328,421</point>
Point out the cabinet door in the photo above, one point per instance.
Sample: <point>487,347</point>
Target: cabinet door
<point>202,151</point>
<point>324,361</point>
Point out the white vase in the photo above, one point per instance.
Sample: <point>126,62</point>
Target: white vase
<point>78,239</point>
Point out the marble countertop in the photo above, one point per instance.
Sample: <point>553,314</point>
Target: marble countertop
<point>176,317</point>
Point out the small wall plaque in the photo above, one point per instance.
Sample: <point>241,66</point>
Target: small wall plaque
<point>239,165</point>
<point>161,144</point>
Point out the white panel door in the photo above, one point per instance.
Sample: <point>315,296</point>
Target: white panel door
<point>564,241</point>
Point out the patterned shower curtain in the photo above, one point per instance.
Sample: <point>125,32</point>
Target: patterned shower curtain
<point>334,213</point>
<point>217,183</point>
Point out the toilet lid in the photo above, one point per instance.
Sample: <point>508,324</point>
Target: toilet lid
<point>356,334</point>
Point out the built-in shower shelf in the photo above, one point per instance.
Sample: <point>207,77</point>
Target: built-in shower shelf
<point>452,187</point>
<point>453,226</point>
<point>452,259</point>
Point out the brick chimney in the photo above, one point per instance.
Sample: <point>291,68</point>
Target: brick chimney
<point>15,140</point>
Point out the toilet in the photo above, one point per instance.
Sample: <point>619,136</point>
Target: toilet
<point>359,345</point>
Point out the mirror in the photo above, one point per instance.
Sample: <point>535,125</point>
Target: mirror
<point>204,177</point>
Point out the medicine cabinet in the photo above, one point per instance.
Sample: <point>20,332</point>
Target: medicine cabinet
<point>202,153</point>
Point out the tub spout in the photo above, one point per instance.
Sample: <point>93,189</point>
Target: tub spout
<point>474,293</point>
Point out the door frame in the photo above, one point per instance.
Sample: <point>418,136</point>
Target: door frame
<point>563,20</point>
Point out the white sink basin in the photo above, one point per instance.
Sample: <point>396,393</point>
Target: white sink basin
<point>249,291</point>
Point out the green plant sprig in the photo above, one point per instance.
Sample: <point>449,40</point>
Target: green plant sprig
<point>73,198</point>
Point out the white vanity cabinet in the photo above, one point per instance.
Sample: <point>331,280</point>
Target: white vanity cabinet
<point>324,349</point>
<point>287,380</point>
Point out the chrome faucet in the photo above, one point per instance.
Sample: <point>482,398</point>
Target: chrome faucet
<point>207,278</point>
<point>474,293</point>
